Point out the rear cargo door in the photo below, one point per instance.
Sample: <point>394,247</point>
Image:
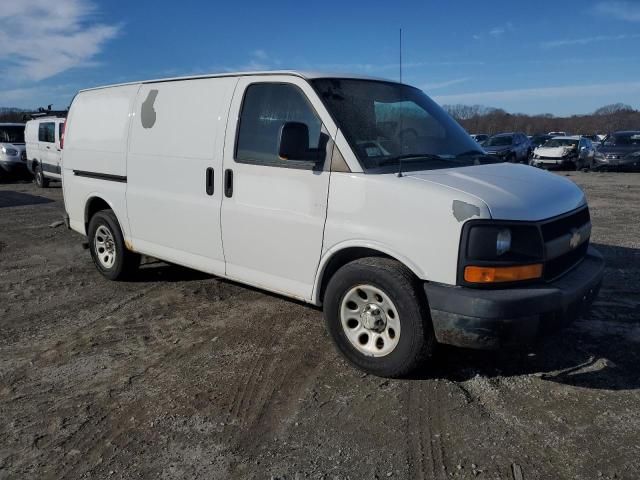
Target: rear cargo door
<point>174,171</point>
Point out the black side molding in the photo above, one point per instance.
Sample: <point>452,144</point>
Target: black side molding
<point>100,176</point>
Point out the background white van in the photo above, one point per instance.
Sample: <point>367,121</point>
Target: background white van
<point>44,140</point>
<point>358,194</point>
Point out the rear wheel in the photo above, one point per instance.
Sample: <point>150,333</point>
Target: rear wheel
<point>41,181</point>
<point>106,243</point>
<point>377,317</point>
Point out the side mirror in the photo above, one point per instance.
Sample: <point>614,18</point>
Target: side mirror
<point>294,141</point>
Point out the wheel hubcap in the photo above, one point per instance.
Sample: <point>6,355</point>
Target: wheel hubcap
<point>370,320</point>
<point>105,246</point>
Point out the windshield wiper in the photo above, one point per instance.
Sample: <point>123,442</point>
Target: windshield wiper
<point>478,157</point>
<point>469,153</point>
<point>411,156</point>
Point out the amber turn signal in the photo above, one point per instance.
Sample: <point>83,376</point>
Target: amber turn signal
<point>502,274</point>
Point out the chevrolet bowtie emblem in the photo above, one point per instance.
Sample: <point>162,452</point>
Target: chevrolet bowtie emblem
<point>575,239</point>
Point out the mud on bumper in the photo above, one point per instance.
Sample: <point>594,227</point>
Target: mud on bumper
<point>492,319</point>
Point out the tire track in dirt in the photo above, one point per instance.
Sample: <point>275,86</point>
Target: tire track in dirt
<point>426,457</point>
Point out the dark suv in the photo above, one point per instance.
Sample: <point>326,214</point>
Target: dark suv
<point>509,147</point>
<point>619,151</point>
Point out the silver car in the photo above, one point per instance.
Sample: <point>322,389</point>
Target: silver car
<point>13,157</point>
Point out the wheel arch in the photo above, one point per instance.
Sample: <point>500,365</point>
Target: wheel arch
<point>342,254</point>
<point>93,205</point>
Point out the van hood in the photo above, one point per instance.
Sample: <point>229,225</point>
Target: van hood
<point>510,191</point>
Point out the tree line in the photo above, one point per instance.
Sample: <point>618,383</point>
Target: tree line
<point>607,119</point>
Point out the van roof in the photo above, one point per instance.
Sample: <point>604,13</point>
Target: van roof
<point>48,118</point>
<point>308,75</point>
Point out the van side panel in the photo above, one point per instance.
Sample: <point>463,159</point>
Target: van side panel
<point>177,134</point>
<point>94,154</point>
<point>31,143</point>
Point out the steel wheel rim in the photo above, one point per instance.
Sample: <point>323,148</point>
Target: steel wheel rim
<point>105,246</point>
<point>370,321</point>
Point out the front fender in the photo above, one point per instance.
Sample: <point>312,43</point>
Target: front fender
<point>358,243</point>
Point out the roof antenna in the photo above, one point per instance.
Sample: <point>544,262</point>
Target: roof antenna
<point>401,55</point>
<point>400,66</point>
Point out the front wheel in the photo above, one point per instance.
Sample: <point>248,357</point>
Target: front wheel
<point>106,243</point>
<point>377,317</point>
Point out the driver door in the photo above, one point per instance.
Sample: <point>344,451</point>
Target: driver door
<point>274,210</point>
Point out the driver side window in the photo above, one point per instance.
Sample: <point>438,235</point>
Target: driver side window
<point>266,108</point>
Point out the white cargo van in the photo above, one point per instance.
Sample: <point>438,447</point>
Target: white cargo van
<point>44,137</point>
<point>357,194</point>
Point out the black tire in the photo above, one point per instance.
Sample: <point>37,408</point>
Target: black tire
<point>40,179</point>
<point>416,339</point>
<point>125,262</point>
<point>511,158</point>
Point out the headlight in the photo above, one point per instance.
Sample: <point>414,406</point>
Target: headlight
<point>494,251</point>
<point>536,156</point>
<point>12,152</point>
<point>503,241</point>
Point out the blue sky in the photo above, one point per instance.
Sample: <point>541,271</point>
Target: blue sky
<point>560,57</point>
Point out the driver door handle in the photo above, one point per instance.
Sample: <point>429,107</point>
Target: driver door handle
<point>228,183</point>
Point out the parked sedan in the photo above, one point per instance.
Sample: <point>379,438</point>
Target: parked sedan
<point>509,147</point>
<point>564,152</point>
<point>619,151</point>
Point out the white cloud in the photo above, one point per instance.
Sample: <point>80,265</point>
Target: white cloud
<point>258,60</point>
<point>447,83</point>
<point>42,38</point>
<point>496,32</point>
<point>587,40</point>
<point>260,54</point>
<point>579,91</point>
<point>619,10</point>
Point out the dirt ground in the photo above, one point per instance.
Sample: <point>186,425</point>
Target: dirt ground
<point>179,375</point>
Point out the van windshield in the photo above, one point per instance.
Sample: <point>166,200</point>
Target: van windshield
<point>11,133</point>
<point>391,126</point>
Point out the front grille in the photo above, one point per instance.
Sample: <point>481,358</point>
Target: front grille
<point>563,225</point>
<point>549,158</point>
<point>556,267</point>
<point>560,227</point>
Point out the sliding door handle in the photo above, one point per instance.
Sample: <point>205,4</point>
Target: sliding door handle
<point>209,181</point>
<point>228,183</point>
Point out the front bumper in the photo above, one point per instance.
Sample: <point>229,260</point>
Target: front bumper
<point>13,166</point>
<point>491,319</point>
<point>553,163</point>
<point>616,164</point>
